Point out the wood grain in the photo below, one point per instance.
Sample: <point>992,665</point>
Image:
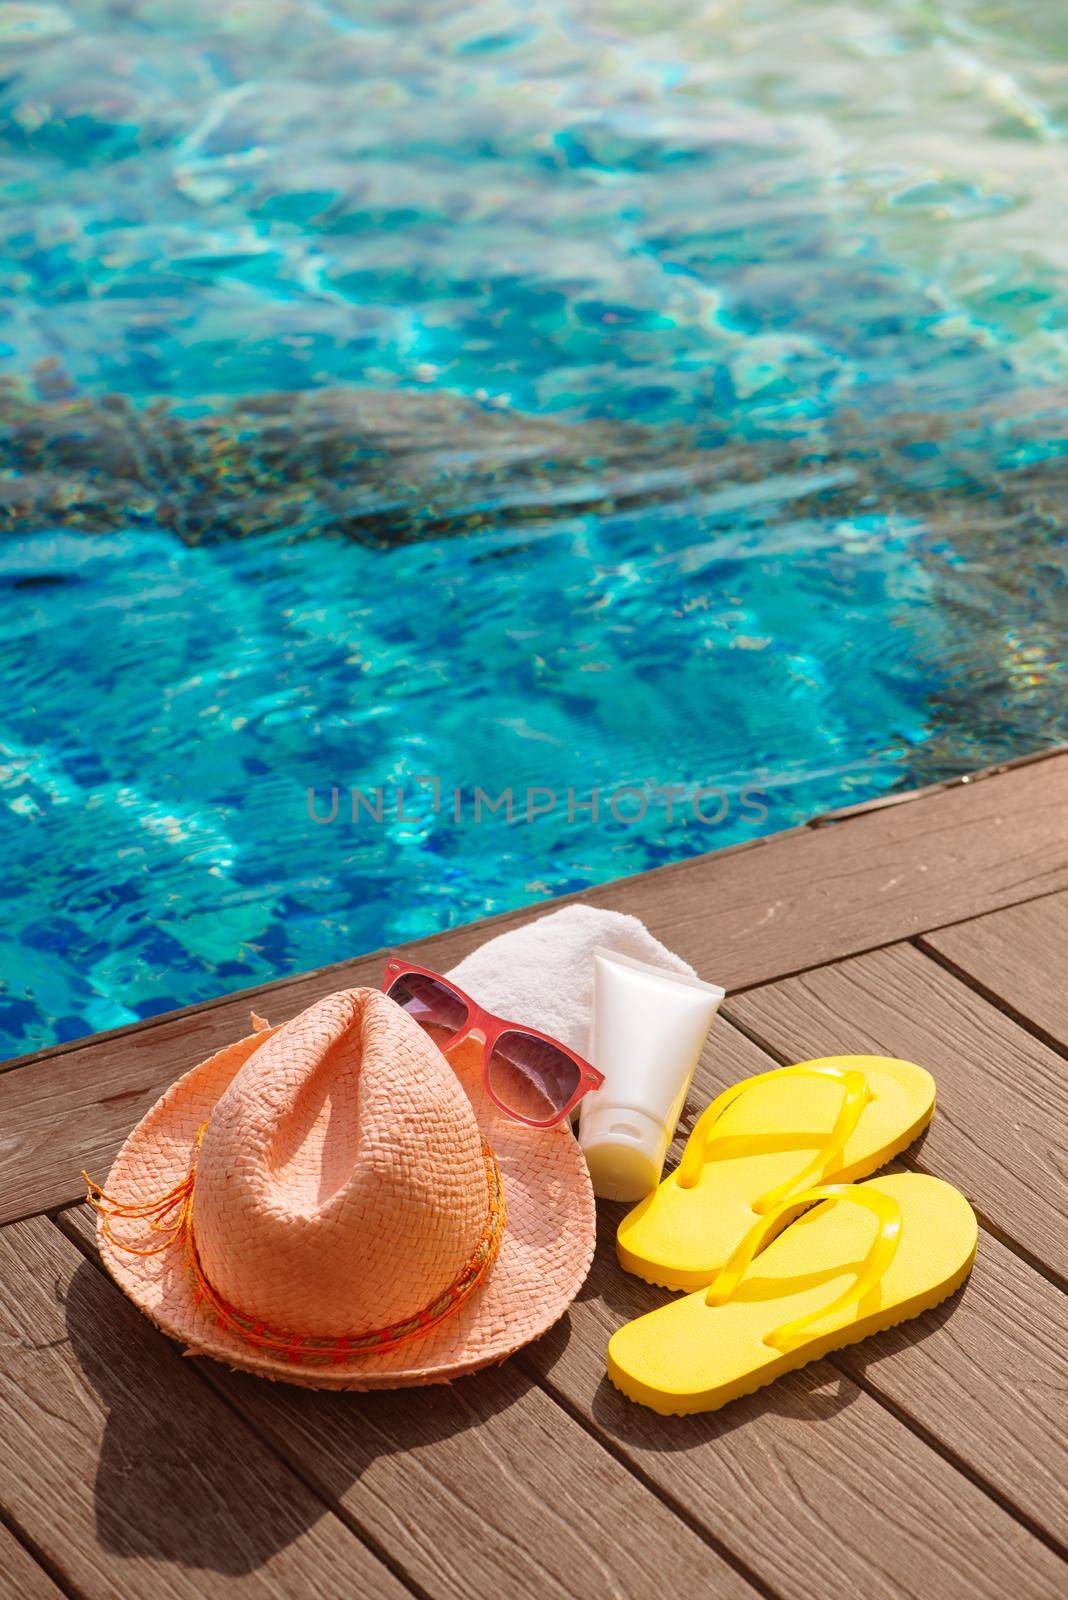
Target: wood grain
<point>446,1449</point>
<point>483,1486</point>
<point>986,1375</point>
<point>135,1472</point>
<point>820,894</point>
<point>129,1474</point>
<point>819,1489</point>
<point>741,917</point>
<point>1019,957</point>
<point>60,1115</point>
<point>20,1576</point>
<point>488,1487</point>
<point>998,1131</point>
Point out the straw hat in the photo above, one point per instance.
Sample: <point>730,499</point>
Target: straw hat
<point>334,1203</point>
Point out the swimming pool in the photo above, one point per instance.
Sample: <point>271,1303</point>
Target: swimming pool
<point>654,400</point>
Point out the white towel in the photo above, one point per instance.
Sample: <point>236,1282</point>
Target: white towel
<point>542,974</point>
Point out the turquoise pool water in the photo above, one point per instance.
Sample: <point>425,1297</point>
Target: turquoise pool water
<point>567,396</point>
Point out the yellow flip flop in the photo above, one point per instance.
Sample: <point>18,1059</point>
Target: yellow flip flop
<point>761,1140</point>
<point>874,1254</point>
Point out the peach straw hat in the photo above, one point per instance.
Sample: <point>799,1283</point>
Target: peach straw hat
<point>333,1203</point>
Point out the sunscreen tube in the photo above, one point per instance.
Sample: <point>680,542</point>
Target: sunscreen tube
<point>646,1033</point>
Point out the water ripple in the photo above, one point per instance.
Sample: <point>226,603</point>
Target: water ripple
<point>566,394</point>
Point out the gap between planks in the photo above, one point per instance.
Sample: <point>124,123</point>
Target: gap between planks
<point>1000,1002</point>
<point>26,1573</point>
<point>75,1225</point>
<point>601,1438</point>
<point>491,927</point>
<point>990,1223</point>
<point>646,889</point>
<point>952,1456</point>
<point>842,1363</point>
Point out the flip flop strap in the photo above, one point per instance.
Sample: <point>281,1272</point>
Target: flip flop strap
<point>855,1096</point>
<point>870,1272</point>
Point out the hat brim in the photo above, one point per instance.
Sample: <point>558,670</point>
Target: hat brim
<point>543,1260</point>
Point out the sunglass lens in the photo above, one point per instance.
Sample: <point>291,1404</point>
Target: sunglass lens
<point>435,1006</point>
<point>531,1077</point>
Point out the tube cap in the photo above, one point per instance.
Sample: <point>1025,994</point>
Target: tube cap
<point>624,1151</point>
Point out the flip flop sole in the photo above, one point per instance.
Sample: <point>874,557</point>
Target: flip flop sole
<point>679,1239</point>
<point>802,1358</point>
<point>648,1359</point>
<point>689,1281</point>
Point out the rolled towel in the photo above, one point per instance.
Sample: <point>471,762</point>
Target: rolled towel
<point>542,973</point>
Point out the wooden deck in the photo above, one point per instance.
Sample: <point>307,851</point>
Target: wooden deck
<point>928,1461</point>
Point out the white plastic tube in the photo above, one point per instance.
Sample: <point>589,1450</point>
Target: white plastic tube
<point>646,1033</point>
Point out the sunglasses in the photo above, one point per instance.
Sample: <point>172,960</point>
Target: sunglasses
<point>527,1074</point>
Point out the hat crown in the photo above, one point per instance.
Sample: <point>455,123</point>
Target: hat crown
<point>341,1183</point>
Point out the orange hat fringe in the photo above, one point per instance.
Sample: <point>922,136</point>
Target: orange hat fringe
<point>171,1216</point>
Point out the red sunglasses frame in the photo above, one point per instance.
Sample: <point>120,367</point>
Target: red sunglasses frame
<point>491,1027</point>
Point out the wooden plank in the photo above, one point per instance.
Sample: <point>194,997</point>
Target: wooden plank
<point>487,1487</point>
<point>484,1486</point>
<point>1017,957</point>
<point>924,1370</point>
<point>998,1132</point>
<point>128,1474</point>
<point>20,1576</point>
<point>60,1115</point>
<point>740,917</point>
<point>822,893</point>
<point>985,1375</point>
<point>417,1440</point>
<point>820,1490</point>
<point>750,913</point>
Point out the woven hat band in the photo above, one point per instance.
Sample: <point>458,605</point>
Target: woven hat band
<point>169,1222</point>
